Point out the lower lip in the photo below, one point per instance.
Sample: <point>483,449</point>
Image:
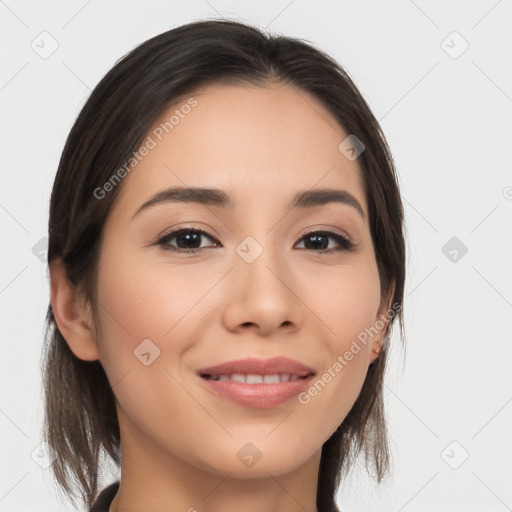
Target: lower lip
<point>261,396</point>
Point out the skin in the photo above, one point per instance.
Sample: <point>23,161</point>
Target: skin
<point>179,442</point>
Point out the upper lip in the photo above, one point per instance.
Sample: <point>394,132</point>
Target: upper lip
<point>259,367</point>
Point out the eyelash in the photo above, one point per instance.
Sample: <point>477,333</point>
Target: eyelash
<point>344,243</point>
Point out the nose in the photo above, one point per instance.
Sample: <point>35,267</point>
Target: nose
<point>262,296</point>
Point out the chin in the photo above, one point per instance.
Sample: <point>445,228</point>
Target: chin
<point>250,462</point>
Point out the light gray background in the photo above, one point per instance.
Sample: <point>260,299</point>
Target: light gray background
<point>447,119</point>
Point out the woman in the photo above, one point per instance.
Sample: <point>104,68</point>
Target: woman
<point>227,259</point>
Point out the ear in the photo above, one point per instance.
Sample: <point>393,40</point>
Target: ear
<point>382,320</point>
<point>71,314</point>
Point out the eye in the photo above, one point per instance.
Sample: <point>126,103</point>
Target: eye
<point>189,240</point>
<point>186,239</point>
<point>318,241</point>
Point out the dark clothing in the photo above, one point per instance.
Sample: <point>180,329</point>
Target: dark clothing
<point>104,500</point>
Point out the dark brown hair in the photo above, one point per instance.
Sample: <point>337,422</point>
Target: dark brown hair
<point>80,422</point>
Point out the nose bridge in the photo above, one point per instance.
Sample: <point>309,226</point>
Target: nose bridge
<point>259,264</point>
<point>261,291</point>
<point>258,257</point>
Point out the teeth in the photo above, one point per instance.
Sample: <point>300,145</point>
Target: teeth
<point>256,379</point>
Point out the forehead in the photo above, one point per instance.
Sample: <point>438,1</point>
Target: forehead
<point>258,143</point>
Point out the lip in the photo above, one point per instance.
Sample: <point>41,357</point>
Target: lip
<point>259,366</point>
<point>264,395</point>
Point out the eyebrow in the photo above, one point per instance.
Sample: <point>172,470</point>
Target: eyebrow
<point>221,199</point>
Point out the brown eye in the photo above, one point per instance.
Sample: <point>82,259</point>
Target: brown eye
<point>185,240</point>
<point>318,241</point>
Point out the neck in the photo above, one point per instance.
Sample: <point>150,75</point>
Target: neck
<point>152,479</point>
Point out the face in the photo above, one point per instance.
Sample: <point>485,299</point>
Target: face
<point>185,285</point>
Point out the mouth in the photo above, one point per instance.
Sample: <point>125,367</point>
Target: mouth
<point>257,383</point>
<point>253,378</point>
<point>251,368</point>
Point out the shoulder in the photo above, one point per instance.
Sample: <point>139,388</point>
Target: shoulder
<point>105,498</point>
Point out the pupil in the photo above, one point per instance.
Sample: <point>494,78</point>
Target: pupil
<point>187,237</point>
<point>317,238</point>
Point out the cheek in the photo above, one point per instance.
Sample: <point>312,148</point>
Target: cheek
<point>143,318</point>
<point>347,304</point>
<point>140,302</point>
<point>147,301</point>
<point>347,300</point>
<point>130,311</point>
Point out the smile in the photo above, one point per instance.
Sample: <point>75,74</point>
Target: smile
<point>256,391</point>
<point>254,378</point>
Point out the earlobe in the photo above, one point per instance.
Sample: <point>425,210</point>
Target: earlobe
<point>378,340</point>
<point>375,352</point>
<point>71,315</point>
<point>382,321</point>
